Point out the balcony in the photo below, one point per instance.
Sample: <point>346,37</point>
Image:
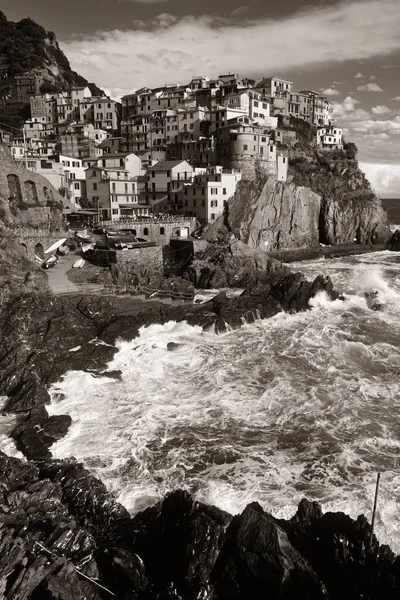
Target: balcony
<point>181,177</point>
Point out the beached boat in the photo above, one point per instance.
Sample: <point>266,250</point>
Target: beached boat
<point>86,247</point>
<point>79,264</point>
<point>55,246</point>
<point>50,262</point>
<point>83,236</point>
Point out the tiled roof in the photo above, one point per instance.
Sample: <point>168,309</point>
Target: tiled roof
<point>165,165</point>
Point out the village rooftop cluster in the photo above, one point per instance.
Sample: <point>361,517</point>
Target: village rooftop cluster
<point>176,149</point>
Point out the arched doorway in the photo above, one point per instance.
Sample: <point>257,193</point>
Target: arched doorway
<point>39,250</point>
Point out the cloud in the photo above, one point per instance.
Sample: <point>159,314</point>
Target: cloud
<point>348,106</point>
<point>216,44</point>
<point>330,92</point>
<point>396,99</point>
<point>385,179</point>
<point>358,76</point>
<point>370,87</point>
<point>381,110</point>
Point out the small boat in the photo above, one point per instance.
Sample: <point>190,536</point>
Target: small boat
<point>50,262</point>
<point>86,247</point>
<point>55,246</point>
<point>63,250</point>
<point>83,236</point>
<point>79,264</point>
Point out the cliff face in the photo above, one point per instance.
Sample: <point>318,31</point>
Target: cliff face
<point>327,200</point>
<point>269,215</point>
<point>26,45</point>
<point>350,210</point>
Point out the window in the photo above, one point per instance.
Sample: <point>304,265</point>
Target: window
<point>146,231</point>
<point>214,191</point>
<point>94,173</point>
<point>194,202</point>
<point>284,159</point>
<point>224,191</point>
<point>113,187</point>
<point>212,216</point>
<point>77,185</point>
<point>255,103</point>
<point>95,187</point>
<point>245,147</point>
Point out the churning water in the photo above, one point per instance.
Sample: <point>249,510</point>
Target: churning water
<point>297,405</point>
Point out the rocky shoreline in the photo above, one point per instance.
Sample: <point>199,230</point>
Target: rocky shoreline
<point>62,536</point>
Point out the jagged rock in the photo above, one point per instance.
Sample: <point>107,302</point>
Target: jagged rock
<point>233,264</point>
<point>258,561</point>
<point>270,215</point>
<point>394,243</point>
<point>171,346</point>
<point>179,541</point>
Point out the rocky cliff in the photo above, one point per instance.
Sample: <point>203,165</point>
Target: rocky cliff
<point>327,200</point>
<point>62,537</point>
<point>269,215</point>
<point>26,45</point>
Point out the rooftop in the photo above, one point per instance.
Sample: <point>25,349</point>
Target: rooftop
<point>165,165</point>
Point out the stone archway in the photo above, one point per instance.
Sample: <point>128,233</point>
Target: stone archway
<point>39,250</point>
<point>31,193</point>
<point>14,187</point>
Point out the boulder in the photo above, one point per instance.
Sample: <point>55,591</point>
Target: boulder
<point>257,561</point>
<point>394,243</point>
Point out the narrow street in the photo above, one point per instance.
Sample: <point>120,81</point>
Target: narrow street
<point>57,275</point>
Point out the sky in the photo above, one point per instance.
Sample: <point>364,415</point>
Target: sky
<point>348,50</point>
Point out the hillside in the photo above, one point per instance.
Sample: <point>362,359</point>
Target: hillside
<point>26,45</point>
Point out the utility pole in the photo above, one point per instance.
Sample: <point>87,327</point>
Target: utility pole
<point>374,509</point>
<point>25,149</point>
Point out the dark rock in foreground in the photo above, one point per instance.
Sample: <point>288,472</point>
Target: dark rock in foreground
<point>62,536</point>
<point>394,242</point>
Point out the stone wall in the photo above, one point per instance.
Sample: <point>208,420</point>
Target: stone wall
<point>32,239</point>
<point>160,231</point>
<point>142,258</point>
<point>251,167</point>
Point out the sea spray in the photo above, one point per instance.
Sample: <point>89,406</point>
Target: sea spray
<point>297,405</point>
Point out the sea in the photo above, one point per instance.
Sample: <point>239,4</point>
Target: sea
<point>302,405</point>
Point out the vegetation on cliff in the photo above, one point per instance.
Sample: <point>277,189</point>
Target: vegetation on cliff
<point>26,45</point>
<point>327,199</point>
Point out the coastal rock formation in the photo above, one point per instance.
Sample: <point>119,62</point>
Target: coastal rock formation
<point>270,215</point>
<point>232,263</point>
<point>326,200</point>
<point>63,537</point>
<point>394,242</point>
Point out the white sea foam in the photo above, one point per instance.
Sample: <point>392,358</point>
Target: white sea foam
<point>7,424</point>
<point>298,405</point>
